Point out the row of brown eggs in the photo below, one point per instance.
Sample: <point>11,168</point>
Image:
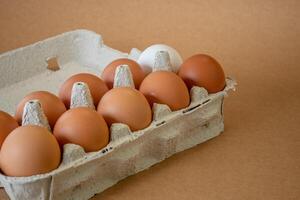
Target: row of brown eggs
<point>29,150</point>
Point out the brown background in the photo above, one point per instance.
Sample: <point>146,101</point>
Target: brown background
<point>257,42</point>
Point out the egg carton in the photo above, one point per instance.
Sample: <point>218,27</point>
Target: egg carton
<point>45,65</point>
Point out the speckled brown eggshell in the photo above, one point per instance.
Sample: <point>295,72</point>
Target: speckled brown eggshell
<point>203,71</point>
<point>7,125</point>
<point>165,87</point>
<point>97,87</point>
<point>108,73</point>
<point>82,126</point>
<point>52,106</point>
<point>126,105</point>
<point>29,150</point>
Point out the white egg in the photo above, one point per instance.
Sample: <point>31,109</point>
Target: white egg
<point>147,57</point>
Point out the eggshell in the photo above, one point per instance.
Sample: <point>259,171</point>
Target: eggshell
<point>7,125</point>
<point>108,73</point>
<point>203,71</point>
<point>165,87</point>
<point>82,126</point>
<point>97,87</point>
<point>29,150</point>
<point>52,106</point>
<point>126,105</point>
<point>147,57</point>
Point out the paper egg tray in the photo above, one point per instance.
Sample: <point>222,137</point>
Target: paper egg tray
<point>45,65</point>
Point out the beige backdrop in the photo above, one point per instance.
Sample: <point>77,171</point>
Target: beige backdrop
<point>257,42</point>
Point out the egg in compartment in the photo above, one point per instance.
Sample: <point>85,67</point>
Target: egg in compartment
<point>148,57</point>
<point>125,104</point>
<point>52,106</point>
<point>203,71</point>
<point>163,86</point>
<point>108,73</point>
<point>81,124</point>
<point>166,87</point>
<point>29,150</point>
<point>96,86</point>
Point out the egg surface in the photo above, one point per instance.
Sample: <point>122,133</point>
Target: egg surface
<point>82,126</point>
<point>29,150</point>
<point>7,125</point>
<point>108,73</point>
<point>126,105</point>
<point>166,87</point>
<point>52,106</point>
<point>147,57</point>
<point>203,71</point>
<point>97,87</point>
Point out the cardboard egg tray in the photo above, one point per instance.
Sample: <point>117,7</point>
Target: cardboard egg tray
<point>45,65</point>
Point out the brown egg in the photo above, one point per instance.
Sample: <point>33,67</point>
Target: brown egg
<point>108,73</point>
<point>126,105</point>
<point>7,125</point>
<point>203,71</point>
<point>165,87</point>
<point>29,150</point>
<point>82,126</point>
<point>97,87</point>
<point>52,106</point>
